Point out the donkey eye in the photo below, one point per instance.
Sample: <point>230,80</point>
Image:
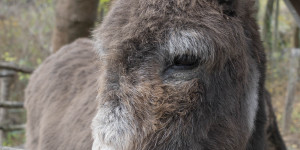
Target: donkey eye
<point>184,62</point>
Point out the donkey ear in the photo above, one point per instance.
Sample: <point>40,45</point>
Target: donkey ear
<point>229,7</point>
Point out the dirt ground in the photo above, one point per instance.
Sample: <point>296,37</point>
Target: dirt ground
<point>292,141</point>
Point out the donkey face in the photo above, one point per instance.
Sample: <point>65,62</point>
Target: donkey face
<point>177,74</point>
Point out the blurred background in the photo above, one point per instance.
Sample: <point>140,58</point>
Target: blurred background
<point>28,35</point>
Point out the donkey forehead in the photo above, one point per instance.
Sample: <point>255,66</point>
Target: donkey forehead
<point>176,43</point>
<point>190,42</point>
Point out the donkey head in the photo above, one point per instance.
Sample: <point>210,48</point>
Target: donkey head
<point>177,74</point>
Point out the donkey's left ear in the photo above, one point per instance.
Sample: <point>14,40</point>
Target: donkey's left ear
<point>234,8</point>
<point>229,7</point>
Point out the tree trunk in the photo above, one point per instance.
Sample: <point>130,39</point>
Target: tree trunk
<point>73,19</point>
<point>275,43</point>
<point>293,78</point>
<point>296,4</point>
<point>267,33</point>
<point>294,8</point>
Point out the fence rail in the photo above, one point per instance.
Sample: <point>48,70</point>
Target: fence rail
<point>14,67</point>
<point>7,73</point>
<point>11,104</point>
<point>9,148</point>
<point>12,127</point>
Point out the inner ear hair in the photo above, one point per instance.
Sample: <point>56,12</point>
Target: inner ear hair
<point>229,7</point>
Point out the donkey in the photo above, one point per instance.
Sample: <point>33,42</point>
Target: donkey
<point>159,74</point>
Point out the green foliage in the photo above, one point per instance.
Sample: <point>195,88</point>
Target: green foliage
<point>25,34</point>
<point>14,138</point>
<point>103,8</point>
<point>23,77</point>
<point>104,2</point>
<point>7,57</point>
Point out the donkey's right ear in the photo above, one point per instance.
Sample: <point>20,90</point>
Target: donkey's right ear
<point>229,7</point>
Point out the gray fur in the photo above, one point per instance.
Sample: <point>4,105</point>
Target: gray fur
<point>252,96</point>
<point>112,128</point>
<point>190,42</point>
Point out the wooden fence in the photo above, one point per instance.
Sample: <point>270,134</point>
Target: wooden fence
<point>9,148</point>
<point>7,73</point>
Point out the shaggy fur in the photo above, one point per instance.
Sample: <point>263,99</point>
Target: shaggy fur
<point>60,99</point>
<point>175,75</point>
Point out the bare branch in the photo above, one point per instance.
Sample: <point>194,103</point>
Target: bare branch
<point>12,66</point>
